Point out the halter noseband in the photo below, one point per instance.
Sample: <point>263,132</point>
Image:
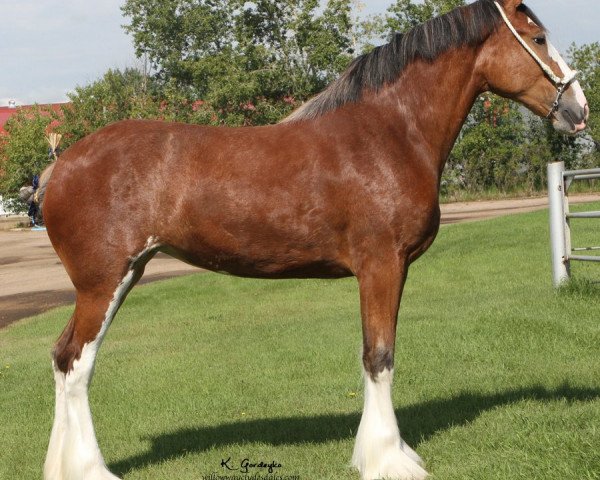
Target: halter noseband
<point>561,84</point>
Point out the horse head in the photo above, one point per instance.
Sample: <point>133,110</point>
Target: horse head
<point>519,62</point>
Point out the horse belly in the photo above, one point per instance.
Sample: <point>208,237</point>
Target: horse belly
<point>253,246</point>
<point>261,267</point>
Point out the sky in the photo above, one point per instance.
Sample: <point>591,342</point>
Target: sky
<point>48,47</point>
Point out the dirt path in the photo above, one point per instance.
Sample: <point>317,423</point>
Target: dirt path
<point>470,211</point>
<point>32,279</point>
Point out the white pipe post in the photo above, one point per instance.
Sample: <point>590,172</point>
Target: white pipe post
<point>558,234</point>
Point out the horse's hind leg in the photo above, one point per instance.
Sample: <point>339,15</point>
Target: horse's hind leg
<point>73,452</point>
<point>379,451</point>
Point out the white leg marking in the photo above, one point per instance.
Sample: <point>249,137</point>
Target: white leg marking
<point>73,452</point>
<point>53,464</point>
<point>379,451</point>
<point>82,459</point>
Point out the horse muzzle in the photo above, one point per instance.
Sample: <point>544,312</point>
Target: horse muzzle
<point>571,117</point>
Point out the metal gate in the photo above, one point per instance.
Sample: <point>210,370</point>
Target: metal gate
<point>559,181</point>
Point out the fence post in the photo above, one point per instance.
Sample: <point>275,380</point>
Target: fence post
<point>558,237</point>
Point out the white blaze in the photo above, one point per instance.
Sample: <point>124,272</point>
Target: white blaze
<point>566,70</point>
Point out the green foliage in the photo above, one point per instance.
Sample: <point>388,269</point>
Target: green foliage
<point>117,95</point>
<point>586,59</point>
<point>406,14</point>
<point>489,155</point>
<point>251,62</point>
<point>127,94</point>
<point>24,151</point>
<point>181,37</point>
<point>402,16</point>
<point>504,149</point>
<point>559,147</point>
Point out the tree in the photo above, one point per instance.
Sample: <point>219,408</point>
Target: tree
<point>406,14</point>
<point>586,59</point>
<point>489,154</point>
<point>117,95</point>
<point>181,38</point>
<point>402,16</point>
<point>251,62</point>
<point>24,151</point>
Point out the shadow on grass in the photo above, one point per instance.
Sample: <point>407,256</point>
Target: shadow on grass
<point>417,424</point>
<point>583,288</point>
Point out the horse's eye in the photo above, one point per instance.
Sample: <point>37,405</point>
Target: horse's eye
<point>540,40</point>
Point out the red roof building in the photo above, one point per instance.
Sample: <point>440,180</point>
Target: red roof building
<point>7,112</point>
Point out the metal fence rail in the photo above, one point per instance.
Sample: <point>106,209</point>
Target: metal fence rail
<point>559,181</point>
<point>584,215</point>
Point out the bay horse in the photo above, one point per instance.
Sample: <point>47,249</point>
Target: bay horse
<point>348,185</point>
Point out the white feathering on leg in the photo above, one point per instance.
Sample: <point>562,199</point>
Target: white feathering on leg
<point>73,452</point>
<point>379,452</point>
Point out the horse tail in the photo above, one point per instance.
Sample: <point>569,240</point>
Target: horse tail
<point>38,198</point>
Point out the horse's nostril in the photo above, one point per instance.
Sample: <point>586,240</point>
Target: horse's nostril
<point>567,114</point>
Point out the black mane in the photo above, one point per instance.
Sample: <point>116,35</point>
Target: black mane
<point>468,25</point>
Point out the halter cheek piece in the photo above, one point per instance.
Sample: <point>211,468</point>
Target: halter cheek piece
<point>561,84</point>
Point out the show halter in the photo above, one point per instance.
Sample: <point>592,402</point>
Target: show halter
<point>561,84</point>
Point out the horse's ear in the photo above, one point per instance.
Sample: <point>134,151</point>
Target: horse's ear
<point>511,5</point>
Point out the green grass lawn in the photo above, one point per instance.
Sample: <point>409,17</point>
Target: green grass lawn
<point>497,375</point>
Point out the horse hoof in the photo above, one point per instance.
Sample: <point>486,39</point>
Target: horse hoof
<point>396,465</point>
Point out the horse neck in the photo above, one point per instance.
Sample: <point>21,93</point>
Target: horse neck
<point>431,100</point>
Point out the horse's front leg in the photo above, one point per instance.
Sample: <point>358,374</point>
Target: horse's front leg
<point>379,452</point>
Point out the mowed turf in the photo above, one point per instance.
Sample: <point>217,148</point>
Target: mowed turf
<point>497,375</point>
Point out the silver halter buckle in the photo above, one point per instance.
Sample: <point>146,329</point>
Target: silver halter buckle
<point>560,89</point>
